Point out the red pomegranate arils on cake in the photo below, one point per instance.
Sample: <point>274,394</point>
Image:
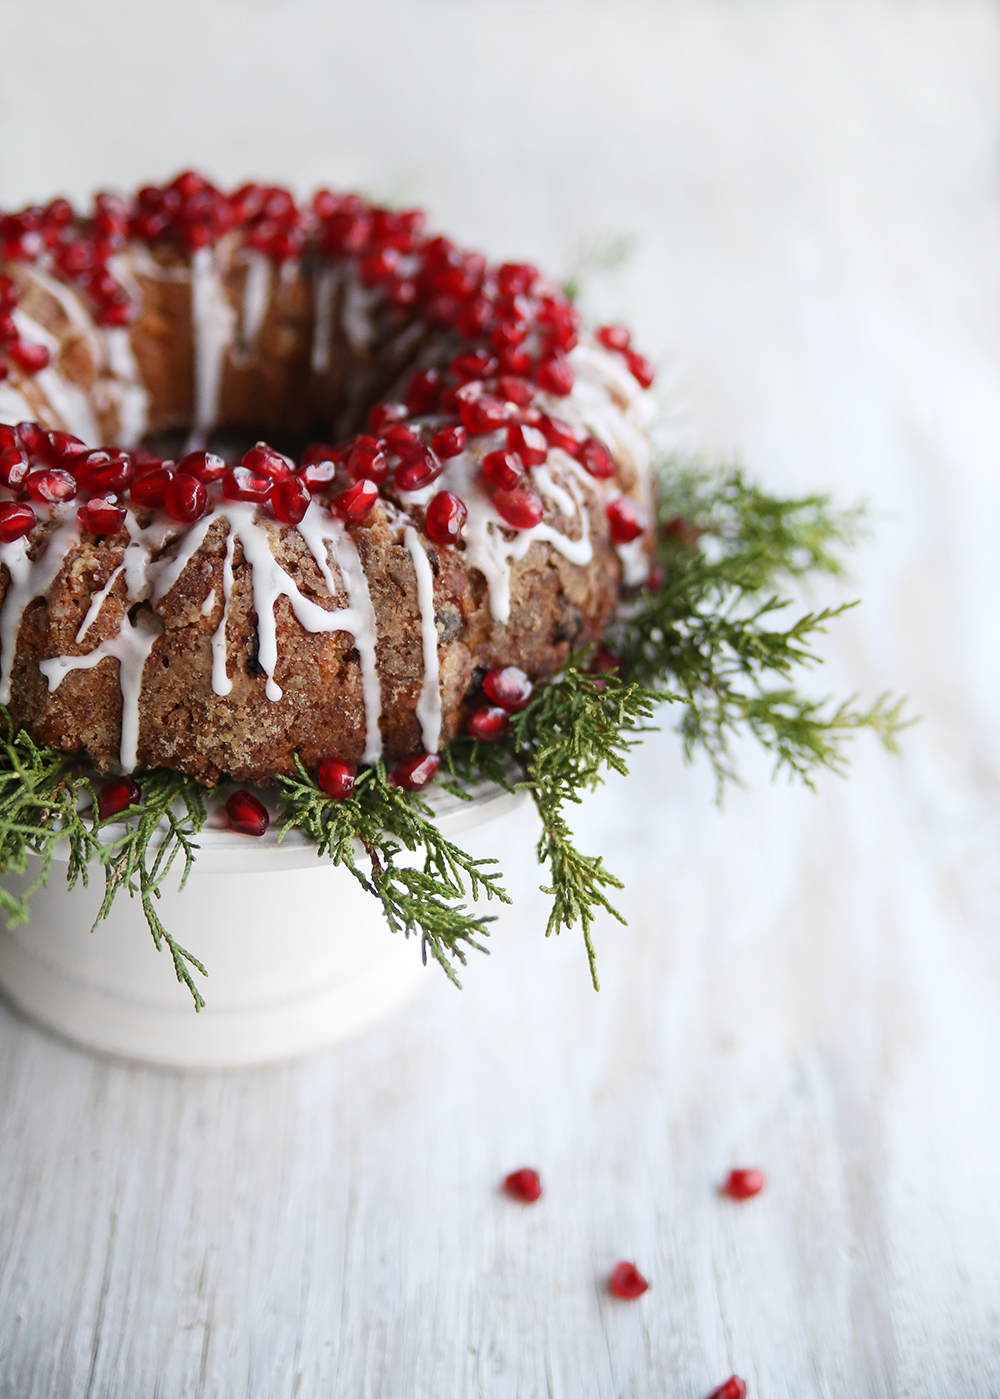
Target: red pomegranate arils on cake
<point>474,364</point>
<point>31,358</point>
<point>263,460</point>
<point>594,457</point>
<point>101,516</point>
<point>318,475</point>
<point>354,504</point>
<point>743,1183</point>
<point>423,391</point>
<point>614,337</point>
<point>450,441</point>
<point>240,483</point>
<point>14,467</point>
<point>414,475</point>
<point>289,500</point>
<point>524,1185</point>
<point>104,471</point>
<point>402,441</point>
<point>512,388</point>
<point>560,434</point>
<point>733,1388</point>
<point>150,490</point>
<point>555,375</point>
<point>626,1282</point>
<point>445,517</point>
<point>367,461</point>
<point>203,466</point>
<point>246,814</point>
<point>507,686</point>
<point>185,498</point>
<point>61,449</point>
<point>383,414</point>
<point>483,414</point>
<point>625,520</point>
<point>16,520</point>
<point>520,508</point>
<point>503,469</point>
<point>416,772</point>
<point>488,723</point>
<point>336,777</point>
<point>529,444</point>
<point>641,368</point>
<point>117,796</point>
<point>50,486</point>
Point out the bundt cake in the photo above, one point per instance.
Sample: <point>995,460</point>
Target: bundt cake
<point>458,482</point>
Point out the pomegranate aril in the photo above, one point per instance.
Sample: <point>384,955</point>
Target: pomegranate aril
<point>449,442</point>
<point>414,475</point>
<point>50,486</point>
<point>488,723</point>
<point>423,391</point>
<point>383,414</point>
<point>627,1282</point>
<point>520,508</point>
<point>14,467</point>
<point>367,461</point>
<point>742,1183</point>
<point>336,777</point>
<point>8,293</point>
<point>16,520</point>
<point>265,461</point>
<point>641,368</point>
<point>514,389</point>
<point>246,814</point>
<point>32,436</point>
<point>150,490</point>
<point>416,772</point>
<point>8,328</point>
<point>508,334</point>
<point>473,318</point>
<point>289,500</point>
<point>117,796</point>
<point>355,503</point>
<point>560,434</point>
<point>445,517</point>
<point>625,520</point>
<point>524,1185</point>
<point>473,364</point>
<point>555,375</point>
<point>733,1388</point>
<point>319,474</point>
<point>595,458</point>
<point>507,686</point>
<point>239,483</point>
<point>9,437</point>
<point>515,278</point>
<point>528,442</point>
<point>101,516</point>
<point>483,414</point>
<point>61,449</point>
<point>614,337</point>
<point>104,471</point>
<point>185,498</point>
<point>31,358</point>
<point>515,362</point>
<point>403,442</point>
<point>503,469</point>
<point>203,466</point>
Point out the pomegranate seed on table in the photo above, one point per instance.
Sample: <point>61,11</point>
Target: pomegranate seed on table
<point>502,469</point>
<point>555,375</point>
<point>627,1282</point>
<point>625,520</point>
<point>265,461</point>
<point>16,520</point>
<point>528,442</point>
<point>150,490</point>
<point>367,461</point>
<point>203,466</point>
<point>524,1185</point>
<point>101,515</point>
<point>743,1183</point>
<point>117,796</point>
<point>239,483</point>
<point>507,686</point>
<point>414,475</point>
<point>50,485</point>
<point>185,498</point>
<point>614,337</point>
<point>336,777</point>
<point>449,442</point>
<point>733,1388</point>
<point>446,515</point>
<point>594,457</point>
<point>416,772</point>
<point>355,503</point>
<point>488,723</point>
<point>290,500</point>
<point>246,814</point>
<point>520,508</point>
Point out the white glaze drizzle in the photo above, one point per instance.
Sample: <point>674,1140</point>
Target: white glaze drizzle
<point>27,581</point>
<point>256,297</point>
<point>356,317</point>
<point>327,279</point>
<point>208,606</point>
<point>68,400</point>
<point>213,322</point>
<point>131,648</point>
<point>221,683</point>
<point>131,397</point>
<point>96,603</point>
<point>429,703</point>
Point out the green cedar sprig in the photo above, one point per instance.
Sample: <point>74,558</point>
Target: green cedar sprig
<point>383,821</point>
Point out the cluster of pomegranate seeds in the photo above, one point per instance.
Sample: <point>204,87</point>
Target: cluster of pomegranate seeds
<point>733,1388</point>
<point>617,338</point>
<point>625,1281</point>
<point>416,772</point>
<point>524,1185</point>
<point>29,358</point>
<point>625,520</point>
<point>336,777</point>
<point>743,1183</point>
<point>246,814</point>
<point>117,796</point>
<point>507,690</point>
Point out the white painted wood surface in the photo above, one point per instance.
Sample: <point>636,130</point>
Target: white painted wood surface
<point>808,983</point>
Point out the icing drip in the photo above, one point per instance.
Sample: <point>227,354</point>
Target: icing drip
<point>256,297</point>
<point>131,398</point>
<point>221,683</point>
<point>27,581</point>
<point>208,606</point>
<point>68,400</point>
<point>131,648</point>
<point>213,322</point>
<point>429,704</point>
<point>96,603</point>
<point>356,318</point>
<point>327,279</point>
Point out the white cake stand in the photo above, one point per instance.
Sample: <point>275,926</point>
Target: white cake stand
<point>299,956</point>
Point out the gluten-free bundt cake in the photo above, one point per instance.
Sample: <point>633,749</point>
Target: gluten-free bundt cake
<point>478,497</point>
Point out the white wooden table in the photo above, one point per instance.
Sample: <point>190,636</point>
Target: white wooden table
<point>808,983</point>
